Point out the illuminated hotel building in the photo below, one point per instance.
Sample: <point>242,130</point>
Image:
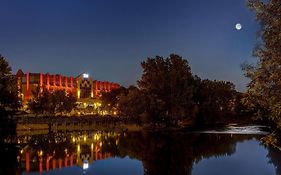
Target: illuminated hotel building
<point>83,86</point>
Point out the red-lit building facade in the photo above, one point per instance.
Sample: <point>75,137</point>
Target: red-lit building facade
<point>83,86</point>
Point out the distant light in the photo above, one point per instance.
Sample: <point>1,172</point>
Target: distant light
<point>85,165</point>
<point>238,26</point>
<point>85,75</point>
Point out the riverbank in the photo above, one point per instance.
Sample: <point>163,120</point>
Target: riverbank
<point>47,124</point>
<point>56,123</point>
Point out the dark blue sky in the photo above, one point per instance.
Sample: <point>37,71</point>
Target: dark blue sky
<point>109,38</point>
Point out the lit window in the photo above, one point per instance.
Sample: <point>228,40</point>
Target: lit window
<point>85,75</point>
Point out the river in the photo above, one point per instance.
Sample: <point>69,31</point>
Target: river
<point>231,151</point>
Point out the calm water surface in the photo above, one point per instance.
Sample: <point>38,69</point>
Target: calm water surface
<point>138,153</point>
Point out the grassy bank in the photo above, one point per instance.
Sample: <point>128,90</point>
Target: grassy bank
<point>75,123</point>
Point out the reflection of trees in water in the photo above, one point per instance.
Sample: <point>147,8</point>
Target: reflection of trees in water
<point>163,153</point>
<point>275,158</point>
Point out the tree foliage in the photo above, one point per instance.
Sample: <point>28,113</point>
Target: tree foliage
<point>168,85</point>
<point>216,100</point>
<point>8,89</point>
<point>9,102</point>
<point>55,102</point>
<point>168,93</point>
<point>111,98</point>
<point>264,88</point>
<point>132,102</point>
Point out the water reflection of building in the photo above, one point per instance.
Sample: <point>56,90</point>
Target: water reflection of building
<point>88,147</point>
<point>83,86</point>
<point>45,163</point>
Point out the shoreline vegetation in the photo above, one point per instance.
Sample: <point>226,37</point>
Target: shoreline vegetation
<point>94,122</point>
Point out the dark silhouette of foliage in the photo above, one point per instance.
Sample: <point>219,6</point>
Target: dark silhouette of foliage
<point>112,97</point>
<point>55,102</point>
<point>168,85</point>
<point>9,102</point>
<point>8,87</point>
<point>176,153</point>
<point>168,94</point>
<point>110,100</point>
<point>216,100</point>
<point>132,103</point>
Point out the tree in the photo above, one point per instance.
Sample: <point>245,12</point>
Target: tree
<point>216,101</point>
<point>111,99</point>
<point>9,102</point>
<point>168,85</point>
<point>8,89</point>
<point>46,102</point>
<point>264,89</point>
<point>132,103</point>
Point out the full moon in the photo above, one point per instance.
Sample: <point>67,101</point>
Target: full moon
<point>238,26</point>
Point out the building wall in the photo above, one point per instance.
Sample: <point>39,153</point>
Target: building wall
<point>81,87</point>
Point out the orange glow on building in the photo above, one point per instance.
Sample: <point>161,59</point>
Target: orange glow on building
<point>108,86</point>
<point>84,87</point>
<point>71,82</point>
<point>41,80</point>
<point>27,86</point>
<point>48,81</point>
<point>104,86</point>
<point>66,82</point>
<point>60,81</point>
<point>54,80</point>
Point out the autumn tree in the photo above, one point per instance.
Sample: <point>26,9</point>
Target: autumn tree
<point>264,89</point>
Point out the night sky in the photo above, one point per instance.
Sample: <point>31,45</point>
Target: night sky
<point>109,38</point>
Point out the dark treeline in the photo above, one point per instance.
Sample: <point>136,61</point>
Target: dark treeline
<point>169,94</point>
